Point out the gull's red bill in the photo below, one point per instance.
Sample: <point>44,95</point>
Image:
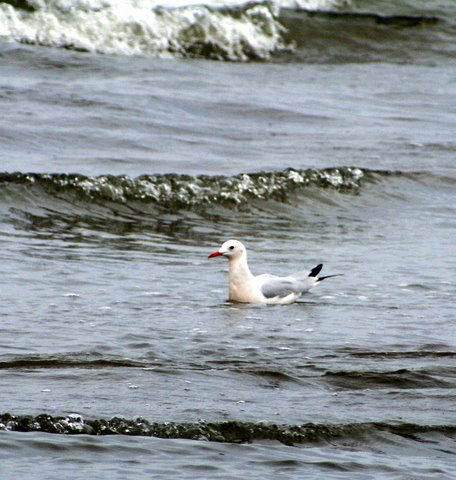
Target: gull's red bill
<point>215,254</point>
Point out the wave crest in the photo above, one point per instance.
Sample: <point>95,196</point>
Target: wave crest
<point>133,28</point>
<point>184,192</point>
<point>319,31</point>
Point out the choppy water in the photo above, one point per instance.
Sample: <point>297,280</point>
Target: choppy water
<point>121,171</point>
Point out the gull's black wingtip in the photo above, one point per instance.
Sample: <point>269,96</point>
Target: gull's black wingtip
<point>316,270</point>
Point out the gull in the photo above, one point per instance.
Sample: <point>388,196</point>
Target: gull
<point>248,288</point>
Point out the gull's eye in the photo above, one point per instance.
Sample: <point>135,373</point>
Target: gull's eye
<point>232,247</point>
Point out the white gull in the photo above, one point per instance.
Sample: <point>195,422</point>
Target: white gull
<point>248,288</point>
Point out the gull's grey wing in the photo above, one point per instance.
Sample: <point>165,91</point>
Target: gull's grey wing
<point>278,286</point>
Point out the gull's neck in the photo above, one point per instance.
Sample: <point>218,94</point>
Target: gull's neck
<point>239,267</point>
<point>241,279</point>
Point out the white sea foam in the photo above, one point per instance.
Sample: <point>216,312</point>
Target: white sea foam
<point>304,4</point>
<point>158,28</point>
<point>133,28</point>
<point>313,4</point>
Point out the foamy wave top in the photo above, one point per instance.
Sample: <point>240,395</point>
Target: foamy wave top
<point>232,30</point>
<point>134,28</point>
<point>218,29</point>
<point>185,192</point>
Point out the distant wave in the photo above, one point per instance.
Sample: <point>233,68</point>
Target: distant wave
<point>302,30</point>
<point>174,192</point>
<point>225,431</point>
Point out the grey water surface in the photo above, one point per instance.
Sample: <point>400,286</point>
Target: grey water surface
<point>120,173</point>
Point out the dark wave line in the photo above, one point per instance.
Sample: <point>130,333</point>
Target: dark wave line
<point>402,378</point>
<point>68,362</point>
<point>20,5</point>
<point>440,377</point>
<point>398,354</point>
<point>389,20</point>
<point>226,431</point>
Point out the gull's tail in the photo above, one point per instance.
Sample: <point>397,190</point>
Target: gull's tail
<point>319,279</point>
<point>316,270</point>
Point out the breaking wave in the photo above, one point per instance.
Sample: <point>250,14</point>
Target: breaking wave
<point>138,27</point>
<point>231,30</point>
<point>174,192</point>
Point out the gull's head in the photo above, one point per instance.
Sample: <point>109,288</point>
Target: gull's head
<point>231,249</point>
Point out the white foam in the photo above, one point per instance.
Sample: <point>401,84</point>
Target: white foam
<point>303,4</point>
<point>295,4</point>
<point>313,4</point>
<point>136,27</point>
